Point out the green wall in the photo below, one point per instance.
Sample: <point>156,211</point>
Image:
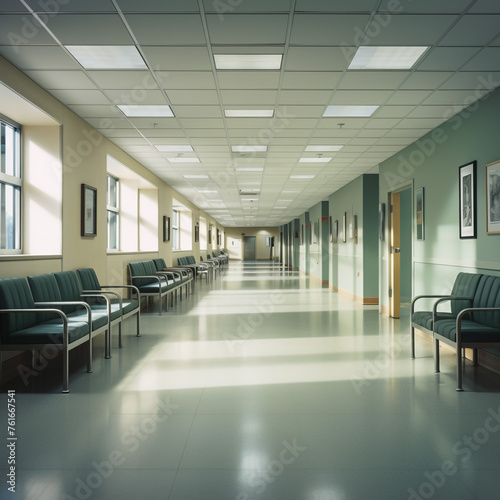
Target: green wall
<point>406,244</point>
<point>432,163</point>
<point>369,234</point>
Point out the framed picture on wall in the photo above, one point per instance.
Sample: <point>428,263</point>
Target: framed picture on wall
<point>196,232</point>
<point>89,211</point>
<point>493,198</point>
<point>420,213</point>
<point>218,236</point>
<point>467,200</point>
<point>344,227</point>
<point>166,228</point>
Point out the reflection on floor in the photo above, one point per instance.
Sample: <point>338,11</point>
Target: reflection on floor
<point>261,385</point>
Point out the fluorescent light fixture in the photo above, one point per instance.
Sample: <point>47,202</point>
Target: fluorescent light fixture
<point>248,149</point>
<point>107,56</point>
<point>349,111</point>
<point>195,176</point>
<point>250,199</point>
<point>285,201</point>
<point>248,61</point>
<point>323,148</point>
<point>174,149</point>
<point>290,192</point>
<point>146,110</point>
<point>207,191</point>
<point>280,208</point>
<point>320,159</point>
<point>249,113</point>
<point>250,169</point>
<point>302,176</point>
<point>182,159</point>
<point>386,57</point>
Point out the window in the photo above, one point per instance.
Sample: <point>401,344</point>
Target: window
<point>10,186</point>
<point>175,230</point>
<point>113,211</point>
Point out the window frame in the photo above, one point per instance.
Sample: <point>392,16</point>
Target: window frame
<point>176,229</point>
<point>16,182</point>
<point>113,210</point>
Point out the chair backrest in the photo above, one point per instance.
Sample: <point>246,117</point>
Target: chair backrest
<point>465,286</point>
<point>140,269</point>
<point>487,295</point>
<point>70,288</point>
<point>88,279</point>
<point>15,294</point>
<point>44,288</point>
<point>160,264</point>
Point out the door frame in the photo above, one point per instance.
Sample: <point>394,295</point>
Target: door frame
<point>393,243</point>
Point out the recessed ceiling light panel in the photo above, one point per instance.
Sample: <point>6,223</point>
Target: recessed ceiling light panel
<point>248,61</point>
<point>107,56</point>
<point>349,111</point>
<point>146,110</point>
<point>386,57</point>
<point>249,113</point>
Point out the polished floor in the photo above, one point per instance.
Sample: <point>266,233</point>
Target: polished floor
<point>261,385</point>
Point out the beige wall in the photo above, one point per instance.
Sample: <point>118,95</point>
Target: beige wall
<point>80,153</point>
<point>234,241</point>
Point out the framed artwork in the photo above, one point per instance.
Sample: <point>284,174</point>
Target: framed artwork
<point>197,232</point>
<point>88,211</point>
<point>166,228</point>
<point>467,200</point>
<point>344,227</point>
<point>381,221</point>
<point>335,233</point>
<point>268,241</point>
<point>210,234</point>
<point>218,236</point>
<point>420,213</point>
<point>493,198</point>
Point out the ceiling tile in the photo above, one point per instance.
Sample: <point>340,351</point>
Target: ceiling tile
<point>372,80</point>
<point>197,111</point>
<point>137,80</point>
<point>177,58</point>
<point>487,60</point>
<point>248,29</point>
<point>446,58</point>
<point>61,79</point>
<point>72,6</point>
<point>186,80</point>
<point>38,57</point>
<point>253,6</point>
<point>248,79</point>
<point>304,97</point>
<point>167,29</point>
<point>422,30</point>
<point>327,29</point>
<point>423,80</point>
<point>242,97</point>
<point>473,80</point>
<point>360,97</point>
<point>424,6</point>
<point>408,97</point>
<point>87,97</point>
<point>105,29</point>
<point>337,6</point>
<point>311,80</point>
<point>193,97</point>
<point>316,59</point>
<point>23,29</point>
<point>473,30</point>
<point>485,7</point>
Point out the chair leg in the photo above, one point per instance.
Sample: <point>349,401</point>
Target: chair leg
<point>139,323</point>
<point>412,342</point>
<point>436,356</point>
<point>65,370</point>
<point>475,357</point>
<point>120,334</point>
<point>459,370</point>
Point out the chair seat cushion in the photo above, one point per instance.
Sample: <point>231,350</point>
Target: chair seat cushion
<point>129,306</point>
<point>99,317</point>
<point>154,287</point>
<point>424,318</point>
<point>471,331</point>
<point>50,332</point>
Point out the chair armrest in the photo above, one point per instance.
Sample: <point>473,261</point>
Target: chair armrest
<point>418,297</point>
<point>131,287</point>
<point>70,303</point>
<point>101,294</point>
<point>463,312</point>
<point>155,276</point>
<point>446,299</point>
<point>46,309</point>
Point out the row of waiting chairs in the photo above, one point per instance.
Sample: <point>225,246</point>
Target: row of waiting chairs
<point>62,310</point>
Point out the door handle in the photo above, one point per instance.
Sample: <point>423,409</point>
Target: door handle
<point>397,250</point>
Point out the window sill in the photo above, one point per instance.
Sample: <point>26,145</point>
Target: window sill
<point>24,256</point>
